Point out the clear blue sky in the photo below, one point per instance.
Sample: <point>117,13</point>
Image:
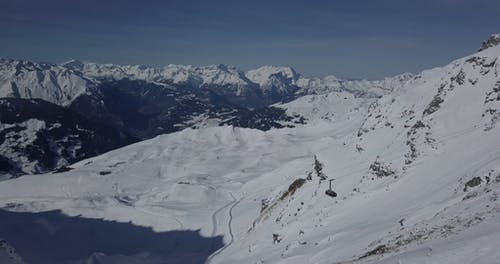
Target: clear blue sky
<point>348,38</point>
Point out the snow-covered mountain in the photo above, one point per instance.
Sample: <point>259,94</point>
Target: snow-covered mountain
<point>416,175</point>
<point>61,84</point>
<point>221,75</point>
<point>224,80</point>
<point>49,82</point>
<point>268,84</point>
<point>146,101</point>
<point>91,89</point>
<point>278,84</point>
<point>37,136</point>
<point>492,41</point>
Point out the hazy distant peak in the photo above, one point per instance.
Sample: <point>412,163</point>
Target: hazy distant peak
<point>73,64</point>
<point>265,74</point>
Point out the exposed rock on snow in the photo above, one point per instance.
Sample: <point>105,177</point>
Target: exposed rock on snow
<point>492,41</point>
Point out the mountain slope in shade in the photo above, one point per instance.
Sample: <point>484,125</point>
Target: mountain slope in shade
<point>416,175</point>
<point>8,254</point>
<point>37,136</point>
<point>147,109</point>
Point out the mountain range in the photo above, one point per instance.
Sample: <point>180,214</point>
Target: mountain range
<point>402,170</point>
<point>63,83</point>
<point>141,102</point>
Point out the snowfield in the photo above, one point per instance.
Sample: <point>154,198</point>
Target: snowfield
<point>416,172</point>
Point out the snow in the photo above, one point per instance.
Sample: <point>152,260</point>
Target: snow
<point>425,207</point>
<point>326,106</point>
<point>269,76</point>
<point>361,88</point>
<point>196,76</point>
<point>61,84</point>
<point>493,41</point>
<point>52,83</point>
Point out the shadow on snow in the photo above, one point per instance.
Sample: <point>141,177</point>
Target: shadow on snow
<point>52,237</point>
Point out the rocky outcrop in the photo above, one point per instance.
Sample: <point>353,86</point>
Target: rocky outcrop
<point>492,41</point>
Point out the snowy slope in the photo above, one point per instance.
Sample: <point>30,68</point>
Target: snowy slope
<point>326,107</point>
<point>417,174</point>
<point>422,187</point>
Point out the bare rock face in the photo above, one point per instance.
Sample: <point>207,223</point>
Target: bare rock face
<point>494,40</point>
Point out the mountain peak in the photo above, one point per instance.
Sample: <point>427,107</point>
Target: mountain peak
<point>269,69</point>
<point>73,64</point>
<point>492,41</point>
<point>264,74</point>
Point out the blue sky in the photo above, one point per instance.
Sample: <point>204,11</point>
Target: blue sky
<point>348,38</point>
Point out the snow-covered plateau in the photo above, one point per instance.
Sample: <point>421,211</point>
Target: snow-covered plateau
<point>416,175</point>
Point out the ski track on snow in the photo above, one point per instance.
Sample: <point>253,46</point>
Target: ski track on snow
<point>234,203</point>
